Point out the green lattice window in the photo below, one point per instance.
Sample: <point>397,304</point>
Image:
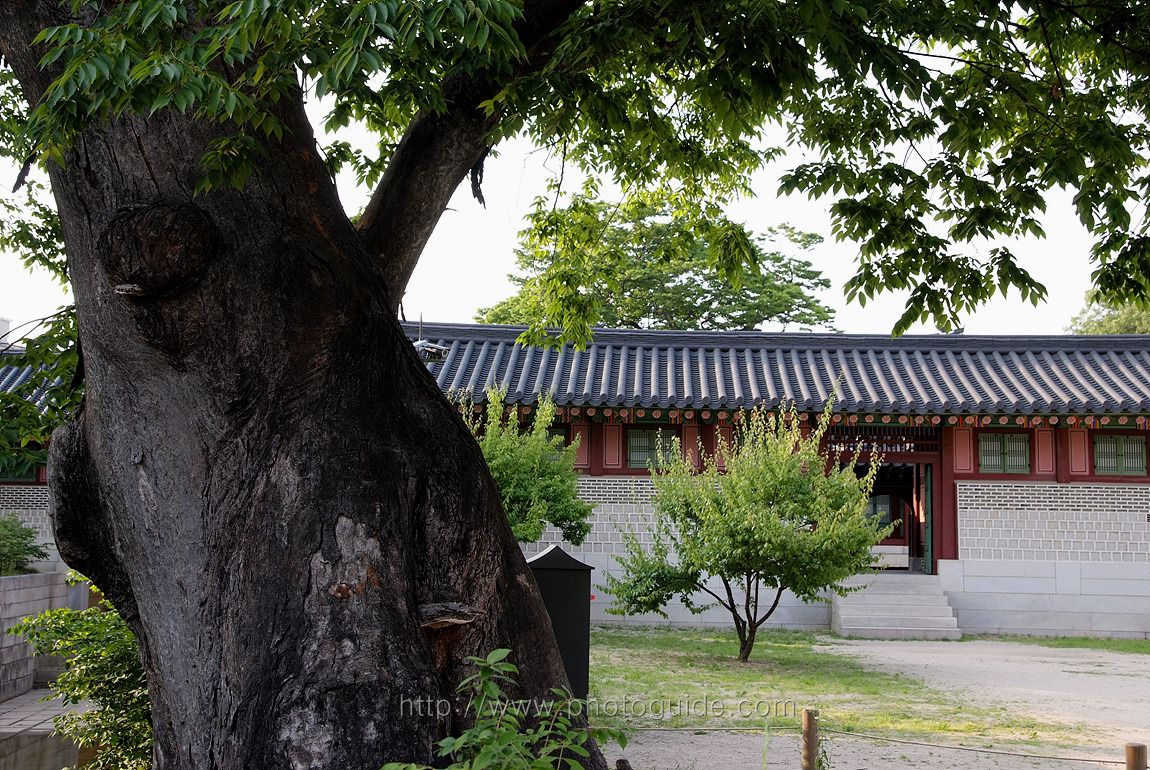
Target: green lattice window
<point>1120,455</point>
<point>1004,453</point>
<point>649,447</point>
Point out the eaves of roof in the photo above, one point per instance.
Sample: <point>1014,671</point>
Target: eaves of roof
<point>914,374</point>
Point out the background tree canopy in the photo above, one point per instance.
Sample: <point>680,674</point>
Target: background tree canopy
<point>1100,317</point>
<point>660,279</point>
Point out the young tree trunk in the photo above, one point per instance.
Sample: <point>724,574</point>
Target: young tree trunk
<point>747,643</point>
<point>264,478</point>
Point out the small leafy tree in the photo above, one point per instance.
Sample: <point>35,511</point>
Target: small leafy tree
<point>102,667</point>
<point>18,546</point>
<point>782,515</point>
<point>533,469</point>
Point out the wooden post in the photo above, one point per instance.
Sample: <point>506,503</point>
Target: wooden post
<point>1135,753</point>
<point>811,739</point>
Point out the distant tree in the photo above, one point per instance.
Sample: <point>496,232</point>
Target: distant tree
<point>662,277</point>
<point>1100,317</point>
<point>783,515</point>
<point>533,469</point>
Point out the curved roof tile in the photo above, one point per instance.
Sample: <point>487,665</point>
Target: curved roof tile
<point>924,374</point>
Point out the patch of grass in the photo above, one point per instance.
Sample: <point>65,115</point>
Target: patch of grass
<point>1136,646</point>
<point>675,677</point>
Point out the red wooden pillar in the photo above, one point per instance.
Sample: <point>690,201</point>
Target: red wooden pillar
<point>1062,455</point>
<point>956,453</point>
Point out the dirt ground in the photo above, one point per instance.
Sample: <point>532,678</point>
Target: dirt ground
<point>744,751</point>
<point>1108,693</point>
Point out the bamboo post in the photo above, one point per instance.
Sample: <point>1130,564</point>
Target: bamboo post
<point>811,739</point>
<point>1135,753</point>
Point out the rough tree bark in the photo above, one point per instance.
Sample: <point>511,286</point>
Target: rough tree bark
<point>264,477</point>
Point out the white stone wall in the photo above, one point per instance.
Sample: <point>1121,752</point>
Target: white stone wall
<point>1051,559</point>
<point>21,596</point>
<point>1054,522</point>
<point>623,503</point>
<point>30,503</point>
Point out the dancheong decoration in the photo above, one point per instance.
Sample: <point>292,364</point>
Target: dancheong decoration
<point>628,415</point>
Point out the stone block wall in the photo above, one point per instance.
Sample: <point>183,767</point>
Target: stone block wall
<point>21,596</point>
<point>1052,559</point>
<point>1054,522</point>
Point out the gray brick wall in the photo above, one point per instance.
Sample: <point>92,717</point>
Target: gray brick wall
<point>23,496</point>
<point>621,503</point>
<point>1053,522</point>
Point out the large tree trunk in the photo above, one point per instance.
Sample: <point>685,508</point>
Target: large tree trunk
<point>264,477</point>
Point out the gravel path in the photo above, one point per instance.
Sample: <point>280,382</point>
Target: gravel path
<point>1108,692</point>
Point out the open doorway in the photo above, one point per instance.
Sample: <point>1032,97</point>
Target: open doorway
<point>892,502</point>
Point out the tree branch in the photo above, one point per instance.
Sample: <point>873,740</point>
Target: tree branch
<point>437,152</point>
<point>774,604</point>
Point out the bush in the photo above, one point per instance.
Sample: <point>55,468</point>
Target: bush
<point>101,666</point>
<point>514,735</point>
<point>18,546</point>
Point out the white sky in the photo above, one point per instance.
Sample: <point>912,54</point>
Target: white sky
<point>468,258</point>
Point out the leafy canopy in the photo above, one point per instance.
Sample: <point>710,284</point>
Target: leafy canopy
<point>659,279</point>
<point>533,469</point>
<point>781,515</point>
<point>938,128</point>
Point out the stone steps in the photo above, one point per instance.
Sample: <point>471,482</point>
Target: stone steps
<point>894,606</point>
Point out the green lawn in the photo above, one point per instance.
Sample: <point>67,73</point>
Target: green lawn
<point>1137,646</point>
<point>637,670</point>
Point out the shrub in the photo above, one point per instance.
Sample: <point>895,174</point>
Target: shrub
<point>534,471</point>
<point>18,546</point>
<point>513,735</point>
<point>101,666</point>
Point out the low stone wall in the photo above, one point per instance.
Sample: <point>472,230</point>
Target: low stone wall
<point>1049,598</point>
<point>21,596</point>
<point>1051,559</point>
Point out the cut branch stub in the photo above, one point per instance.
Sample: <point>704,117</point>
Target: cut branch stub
<point>444,614</point>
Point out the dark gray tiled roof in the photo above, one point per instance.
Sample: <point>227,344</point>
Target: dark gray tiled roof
<point>12,377</point>
<point>929,374</point>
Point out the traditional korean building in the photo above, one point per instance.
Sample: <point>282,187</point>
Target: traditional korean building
<point>1014,467</point>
